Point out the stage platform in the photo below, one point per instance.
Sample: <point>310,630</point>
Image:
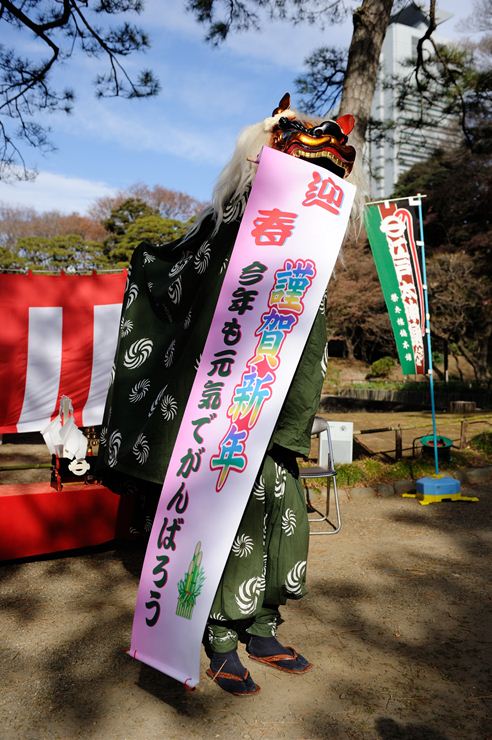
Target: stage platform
<point>37,520</point>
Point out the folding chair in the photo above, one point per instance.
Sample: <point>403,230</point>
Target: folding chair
<point>324,469</point>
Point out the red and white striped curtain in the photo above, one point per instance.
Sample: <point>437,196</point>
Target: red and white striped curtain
<point>58,336</point>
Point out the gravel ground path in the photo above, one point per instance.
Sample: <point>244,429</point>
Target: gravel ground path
<point>397,623</point>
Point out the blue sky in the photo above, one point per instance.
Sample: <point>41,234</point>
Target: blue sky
<point>182,138</point>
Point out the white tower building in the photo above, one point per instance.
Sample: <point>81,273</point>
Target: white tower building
<point>405,145</point>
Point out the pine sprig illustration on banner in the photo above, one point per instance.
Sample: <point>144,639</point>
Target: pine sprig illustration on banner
<point>190,586</point>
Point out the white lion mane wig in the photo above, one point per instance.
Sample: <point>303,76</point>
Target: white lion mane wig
<point>240,171</point>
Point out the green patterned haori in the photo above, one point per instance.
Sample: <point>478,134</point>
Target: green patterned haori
<point>168,306</point>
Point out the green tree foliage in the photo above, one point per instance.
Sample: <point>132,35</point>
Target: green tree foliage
<point>56,30</point>
<point>69,252</point>
<point>482,442</point>
<point>458,183</point>
<point>381,368</point>
<point>124,214</point>
<point>151,228</point>
<point>134,221</point>
<point>220,18</point>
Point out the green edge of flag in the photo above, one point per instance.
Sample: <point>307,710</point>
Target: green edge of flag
<point>389,286</point>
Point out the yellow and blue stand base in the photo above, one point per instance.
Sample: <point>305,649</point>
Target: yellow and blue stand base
<point>437,488</point>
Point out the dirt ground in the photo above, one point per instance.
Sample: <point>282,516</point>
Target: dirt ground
<point>397,622</point>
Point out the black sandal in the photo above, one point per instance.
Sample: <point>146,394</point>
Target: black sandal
<point>235,679</point>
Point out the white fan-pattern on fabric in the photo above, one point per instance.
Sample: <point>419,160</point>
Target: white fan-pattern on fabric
<point>218,617</point>
<point>157,400</point>
<point>126,327</point>
<point>324,361</point>
<point>175,290</point>
<point>180,265</point>
<point>202,258</point>
<point>242,546</point>
<point>235,208</point>
<point>138,353</point>
<point>148,258</point>
<point>132,295</point>
<point>127,283</point>
<point>169,356</point>
<point>294,578</point>
<point>249,593</point>
<point>114,444</point>
<point>265,522</point>
<point>229,635</point>
<point>280,477</point>
<point>141,449</point>
<point>169,407</point>
<point>289,522</point>
<point>259,489</point>
<point>139,390</point>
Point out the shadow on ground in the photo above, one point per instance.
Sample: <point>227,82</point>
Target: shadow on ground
<point>397,622</point>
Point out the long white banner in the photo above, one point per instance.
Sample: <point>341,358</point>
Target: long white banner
<point>284,254</point>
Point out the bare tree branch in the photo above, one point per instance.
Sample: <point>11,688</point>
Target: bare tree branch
<point>63,27</point>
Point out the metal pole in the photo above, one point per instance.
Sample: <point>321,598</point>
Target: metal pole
<point>421,244</point>
<point>398,444</point>
<point>394,200</point>
<point>463,430</point>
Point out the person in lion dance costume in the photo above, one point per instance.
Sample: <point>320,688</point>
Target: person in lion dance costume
<point>171,293</point>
